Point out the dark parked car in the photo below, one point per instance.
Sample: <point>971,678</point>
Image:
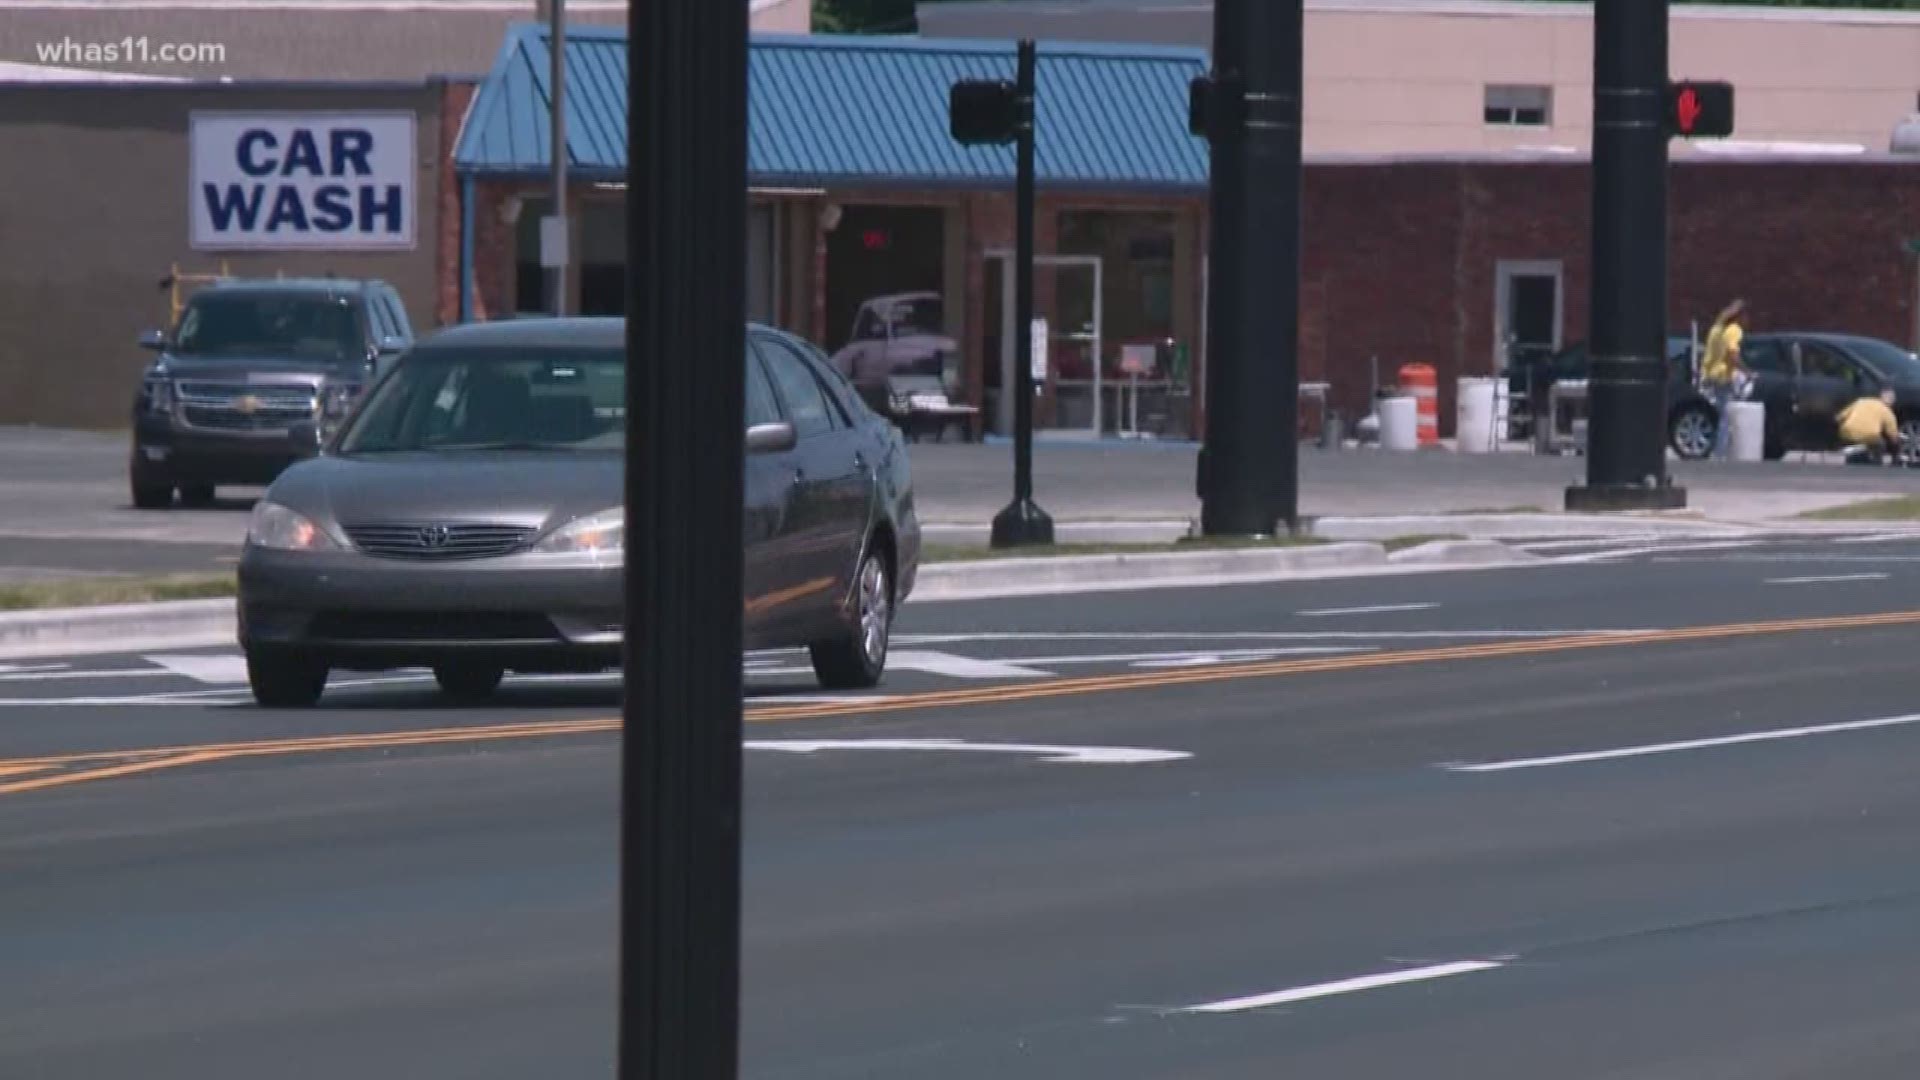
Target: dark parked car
<point>1806,379</point>
<point>247,363</point>
<point>468,517</point>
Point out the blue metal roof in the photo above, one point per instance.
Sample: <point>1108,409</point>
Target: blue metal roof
<point>829,110</point>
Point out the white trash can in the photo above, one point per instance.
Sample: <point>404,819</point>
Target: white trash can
<point>1746,430</point>
<point>1473,416</point>
<point>1399,424</point>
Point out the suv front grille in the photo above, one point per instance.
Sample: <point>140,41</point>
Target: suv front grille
<point>238,407</point>
<point>431,540</point>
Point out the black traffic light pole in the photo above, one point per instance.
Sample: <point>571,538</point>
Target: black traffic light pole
<point>994,112</point>
<point>1022,521</point>
<point>680,753</point>
<point>1249,108</point>
<point>1627,388</point>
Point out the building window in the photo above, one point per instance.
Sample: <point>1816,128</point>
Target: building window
<point>1519,106</point>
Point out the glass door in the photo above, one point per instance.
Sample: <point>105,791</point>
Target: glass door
<point>1067,359</point>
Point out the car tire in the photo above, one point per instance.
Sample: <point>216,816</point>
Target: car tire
<point>857,658</point>
<point>197,495</point>
<point>1774,449</point>
<point>151,496</point>
<point>285,682</point>
<point>1692,431</point>
<point>468,682</point>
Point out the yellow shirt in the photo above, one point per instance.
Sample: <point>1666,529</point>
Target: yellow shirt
<point>1868,421</point>
<point>1723,343</point>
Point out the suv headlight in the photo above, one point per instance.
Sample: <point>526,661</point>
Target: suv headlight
<point>602,536</point>
<point>158,392</point>
<point>337,401</point>
<point>274,526</point>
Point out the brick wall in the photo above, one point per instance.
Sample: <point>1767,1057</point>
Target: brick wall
<point>455,98</point>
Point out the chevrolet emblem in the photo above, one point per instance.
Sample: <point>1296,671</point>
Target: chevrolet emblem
<point>247,404</point>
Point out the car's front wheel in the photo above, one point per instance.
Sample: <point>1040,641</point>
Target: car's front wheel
<point>857,657</point>
<point>285,682</point>
<point>468,682</point>
<point>1692,432</point>
<point>149,492</point>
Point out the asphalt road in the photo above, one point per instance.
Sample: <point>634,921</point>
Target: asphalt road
<point>64,505</point>
<point>1588,820</point>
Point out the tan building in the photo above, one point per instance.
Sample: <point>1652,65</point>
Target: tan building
<point>1441,76</point>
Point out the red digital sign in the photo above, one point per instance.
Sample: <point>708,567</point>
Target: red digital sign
<point>876,240</point>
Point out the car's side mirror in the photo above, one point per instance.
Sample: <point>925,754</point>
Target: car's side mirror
<point>155,340</point>
<point>772,438</point>
<point>392,345</point>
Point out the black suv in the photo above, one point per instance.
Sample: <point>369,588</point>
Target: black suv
<point>253,377</point>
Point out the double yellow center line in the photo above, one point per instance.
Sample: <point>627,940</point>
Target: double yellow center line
<point>33,774</point>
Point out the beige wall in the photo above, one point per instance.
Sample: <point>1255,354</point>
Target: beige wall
<point>96,184</point>
<point>1410,77</point>
<point>782,16</point>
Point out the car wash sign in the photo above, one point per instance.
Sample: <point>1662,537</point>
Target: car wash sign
<point>302,181</point>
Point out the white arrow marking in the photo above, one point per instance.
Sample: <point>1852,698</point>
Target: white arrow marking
<point>10,668</point>
<point>1072,755</point>
<point>1344,986</point>
<point>961,667</point>
<point>225,670</point>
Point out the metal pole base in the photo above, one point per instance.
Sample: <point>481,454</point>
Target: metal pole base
<point>1612,498</point>
<point>1022,522</point>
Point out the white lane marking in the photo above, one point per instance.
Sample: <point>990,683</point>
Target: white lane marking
<point>1825,578</point>
<point>220,670</point>
<point>1689,744</point>
<point>1373,610</point>
<point>1250,635</point>
<point>10,669</point>
<point>1879,538</point>
<point>1075,755</point>
<point>1345,986</point>
<point>1652,549</point>
<point>960,667</point>
<point>109,673</point>
<point>1808,556</point>
<point>1160,659</point>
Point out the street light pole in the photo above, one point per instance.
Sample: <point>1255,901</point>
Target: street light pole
<point>557,261</point>
<point>1626,432</point>
<point>1022,521</point>
<point>1249,459</point>
<point>680,817</point>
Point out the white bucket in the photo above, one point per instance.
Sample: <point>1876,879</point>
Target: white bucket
<point>1399,424</point>
<point>1746,430</point>
<point>1473,426</point>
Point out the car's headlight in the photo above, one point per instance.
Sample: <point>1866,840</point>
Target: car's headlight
<point>275,526</point>
<point>602,536</point>
<point>159,394</point>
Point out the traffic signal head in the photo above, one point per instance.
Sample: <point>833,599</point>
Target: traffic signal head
<point>984,112</point>
<point>1700,110</point>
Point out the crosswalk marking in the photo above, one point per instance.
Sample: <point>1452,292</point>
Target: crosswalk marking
<point>218,670</point>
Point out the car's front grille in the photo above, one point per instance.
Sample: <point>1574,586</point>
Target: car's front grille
<point>350,626</point>
<point>238,407</point>
<point>433,540</point>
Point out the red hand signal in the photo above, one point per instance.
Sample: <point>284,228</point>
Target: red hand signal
<point>1689,109</point>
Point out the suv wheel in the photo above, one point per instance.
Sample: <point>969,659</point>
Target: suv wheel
<point>856,658</point>
<point>198,495</point>
<point>151,496</point>
<point>285,682</point>
<point>1692,431</point>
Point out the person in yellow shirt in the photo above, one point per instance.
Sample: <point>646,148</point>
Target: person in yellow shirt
<point>1870,423</point>
<point>1721,370</point>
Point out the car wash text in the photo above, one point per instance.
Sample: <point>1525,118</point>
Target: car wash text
<point>303,181</point>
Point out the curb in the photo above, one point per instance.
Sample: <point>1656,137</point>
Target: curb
<point>174,624</point>
<point>189,624</point>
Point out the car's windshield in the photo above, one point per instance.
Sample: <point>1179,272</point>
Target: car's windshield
<point>1888,359</point>
<point>920,315</point>
<point>538,400</point>
<point>270,325</point>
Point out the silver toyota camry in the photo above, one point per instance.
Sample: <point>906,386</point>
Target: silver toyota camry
<point>468,518</point>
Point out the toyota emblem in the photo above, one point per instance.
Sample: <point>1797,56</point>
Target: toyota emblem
<point>434,536</point>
